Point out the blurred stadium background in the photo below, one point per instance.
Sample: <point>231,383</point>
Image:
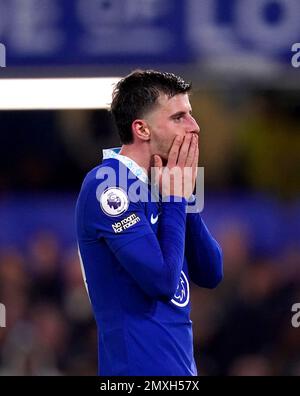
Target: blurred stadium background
<point>247,101</point>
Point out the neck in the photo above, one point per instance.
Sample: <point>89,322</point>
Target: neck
<point>138,153</point>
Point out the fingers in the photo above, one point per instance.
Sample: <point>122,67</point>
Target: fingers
<point>196,155</point>
<point>174,152</point>
<point>188,150</point>
<point>179,176</point>
<point>184,150</point>
<point>157,168</point>
<point>192,151</point>
<point>195,161</point>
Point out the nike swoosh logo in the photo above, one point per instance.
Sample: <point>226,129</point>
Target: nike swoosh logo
<point>153,219</point>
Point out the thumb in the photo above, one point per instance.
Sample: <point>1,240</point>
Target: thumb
<point>156,170</point>
<point>157,161</point>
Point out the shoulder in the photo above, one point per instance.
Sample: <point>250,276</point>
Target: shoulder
<point>107,173</point>
<point>112,186</point>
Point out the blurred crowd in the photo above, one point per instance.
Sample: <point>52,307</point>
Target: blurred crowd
<point>241,328</point>
<point>244,326</point>
<point>49,325</point>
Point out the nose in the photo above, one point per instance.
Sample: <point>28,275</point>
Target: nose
<point>193,126</point>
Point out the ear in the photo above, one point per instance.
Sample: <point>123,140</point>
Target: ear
<point>141,130</point>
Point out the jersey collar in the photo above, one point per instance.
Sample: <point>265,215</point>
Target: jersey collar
<point>138,171</point>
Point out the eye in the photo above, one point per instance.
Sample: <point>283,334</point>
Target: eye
<point>178,118</point>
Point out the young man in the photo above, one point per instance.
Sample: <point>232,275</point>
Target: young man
<point>139,252</point>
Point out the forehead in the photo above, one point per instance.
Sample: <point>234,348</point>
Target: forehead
<point>168,106</point>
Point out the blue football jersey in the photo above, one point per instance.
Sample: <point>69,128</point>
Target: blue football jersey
<point>131,247</point>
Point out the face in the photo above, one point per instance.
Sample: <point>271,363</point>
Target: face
<point>171,117</point>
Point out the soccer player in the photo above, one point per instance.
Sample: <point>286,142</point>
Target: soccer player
<point>139,250</point>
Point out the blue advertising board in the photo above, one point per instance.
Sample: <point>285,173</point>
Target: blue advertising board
<point>71,32</point>
<point>243,30</point>
<point>92,31</point>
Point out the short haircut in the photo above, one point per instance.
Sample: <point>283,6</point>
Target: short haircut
<point>137,93</point>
